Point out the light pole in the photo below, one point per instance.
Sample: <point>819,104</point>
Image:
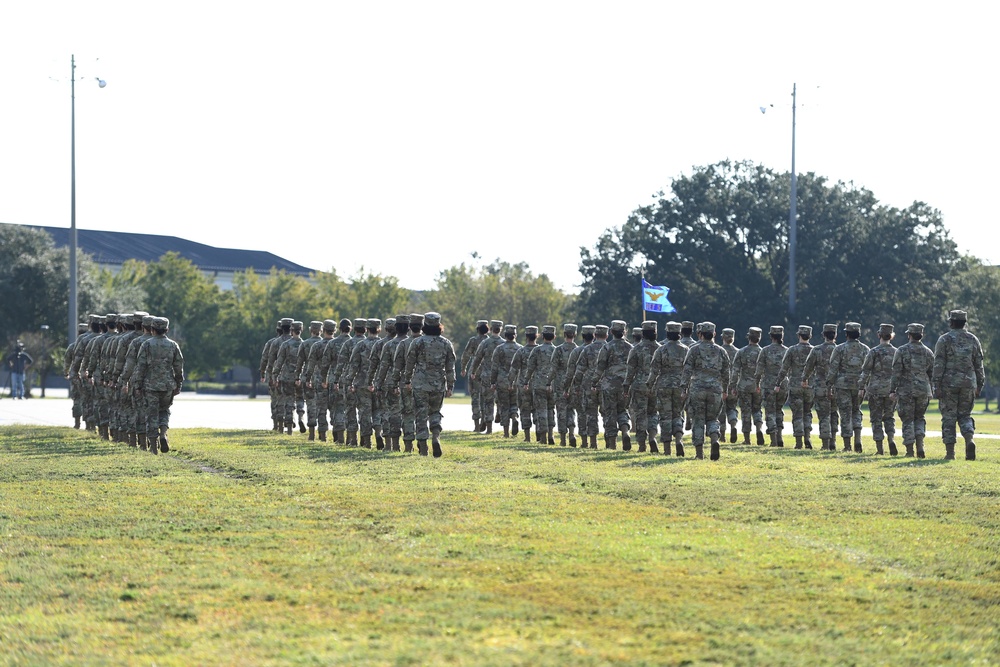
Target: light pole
<point>791,221</point>
<point>73,310</point>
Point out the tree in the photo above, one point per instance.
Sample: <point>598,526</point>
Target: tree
<point>975,288</point>
<point>366,295</point>
<point>719,241</point>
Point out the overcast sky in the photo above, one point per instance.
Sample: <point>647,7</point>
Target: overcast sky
<point>405,136</point>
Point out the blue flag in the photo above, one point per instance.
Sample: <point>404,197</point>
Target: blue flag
<point>654,298</point>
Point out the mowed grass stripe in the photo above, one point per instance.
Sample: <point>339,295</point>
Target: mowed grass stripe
<point>500,553</point>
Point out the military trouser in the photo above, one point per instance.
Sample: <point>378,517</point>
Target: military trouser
<point>849,407</point>
<point>77,395</point>
<point>474,395</point>
<point>705,406</point>
<point>312,406</point>
<point>338,409</point>
<point>274,391</point>
<point>826,413</point>
<point>615,409</point>
<point>300,400</point>
<point>157,410</point>
<point>565,415</point>
<point>956,409</point>
<point>139,411</point>
<point>487,400</point>
<point>286,402</point>
<point>545,410</point>
<point>576,403</point>
<point>427,409</point>
<point>880,412</point>
<point>87,401</point>
<point>506,400</point>
<point>526,407</point>
<point>408,413</point>
<point>642,403</point>
<point>350,409</point>
<point>392,417</point>
<point>774,408</point>
<point>750,409</point>
<point>590,423</point>
<point>801,399</point>
<point>671,410</point>
<point>365,401</point>
<point>728,411</point>
<point>379,419</point>
<point>912,408</point>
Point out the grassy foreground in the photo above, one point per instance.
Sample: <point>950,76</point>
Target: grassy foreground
<point>254,548</point>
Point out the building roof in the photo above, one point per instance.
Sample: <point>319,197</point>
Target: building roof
<point>117,247</point>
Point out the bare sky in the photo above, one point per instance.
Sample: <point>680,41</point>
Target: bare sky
<point>405,136</point>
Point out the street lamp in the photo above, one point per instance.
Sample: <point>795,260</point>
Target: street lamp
<point>73,310</point>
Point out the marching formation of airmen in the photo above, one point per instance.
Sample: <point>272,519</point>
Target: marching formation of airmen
<point>698,385</point>
<point>348,378</point>
<point>124,373</point>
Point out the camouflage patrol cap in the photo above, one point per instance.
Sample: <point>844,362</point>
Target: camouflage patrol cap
<point>344,323</point>
<point>805,330</point>
<point>92,319</point>
<point>587,330</point>
<point>390,322</point>
<point>829,328</point>
<point>601,330</point>
<point>374,323</point>
<point>776,330</point>
<point>432,318</point>
<point>416,318</point>
<point>315,325</point>
<point>496,324</point>
<point>124,317</point>
<point>329,325</point>
<point>360,322</point>
<point>673,327</point>
<point>569,328</point>
<point>914,328</point>
<point>147,321</point>
<point>531,330</point>
<point>886,329</point>
<point>648,325</point>
<point>687,324</point>
<point>297,325</point>
<point>111,318</point>
<point>729,332</point>
<point>81,327</point>
<point>510,329</point>
<point>161,323</point>
<point>706,327</point>
<point>852,326</point>
<point>286,321</point>
<point>958,315</point>
<point>100,319</point>
<point>755,331</point>
<point>618,325</point>
<point>482,323</point>
<point>548,329</point>
<point>138,315</point>
<point>402,319</point>
<point>636,332</point>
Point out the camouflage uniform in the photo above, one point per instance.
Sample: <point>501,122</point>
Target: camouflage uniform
<point>138,417</point>
<point>379,414</point>
<point>800,397</point>
<point>912,374</point>
<point>355,378</point>
<point>95,360</point>
<point>74,384</point>
<point>843,375</point>
<point>328,370</point>
<point>687,328</point>
<point>480,370</point>
<point>265,364</point>
<point>745,386</point>
<point>583,379</point>
<point>284,374</point>
<point>958,379</point>
<point>610,378</point>
<point>565,419</point>
<point>302,379</point>
<point>817,365</point>
<point>467,355</point>
<point>766,376</point>
<point>77,371</point>
<point>642,400</point>
<point>313,378</point>
<point>666,381</point>
<point>538,380</point>
<point>876,374</point>
<point>706,380</point>
<point>392,424</point>
<point>159,371</point>
<point>571,391</point>
<point>729,406</point>
<point>340,386</point>
<point>407,408</point>
<point>519,378</point>
<point>430,372</point>
<point>501,380</point>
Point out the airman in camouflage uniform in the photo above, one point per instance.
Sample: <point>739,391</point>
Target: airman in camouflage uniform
<point>814,377</point>
<point>642,400</point>
<point>706,380</point>
<point>265,363</point>
<point>571,391</point>
<point>745,385</point>
<point>379,415</point>
<point>407,406</point>
<point>339,385</point>
<point>610,379</point>
<point>912,374</point>
<point>843,375</point>
<point>800,394</point>
<point>666,381</point>
<point>583,378</point>
<point>355,378</point>
<point>482,329</point>
<point>773,393</point>
<point>133,391</point>
<point>283,372</point>
<point>302,382</point>
<point>74,385</point>
<point>480,370</point>
<point>127,411</point>
<point>314,381</point>
<point>876,375</point>
<point>159,372</point>
<point>958,379</point>
<point>538,380</point>
<point>77,372</point>
<point>519,378</point>
<point>729,406</point>
<point>393,419</point>
<point>328,371</point>
<point>430,373</point>
<point>501,380</point>
<point>95,361</point>
<point>687,328</point>
<point>565,419</point>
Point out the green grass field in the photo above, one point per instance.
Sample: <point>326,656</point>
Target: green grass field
<point>252,548</point>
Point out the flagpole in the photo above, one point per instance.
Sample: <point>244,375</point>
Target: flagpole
<point>642,286</point>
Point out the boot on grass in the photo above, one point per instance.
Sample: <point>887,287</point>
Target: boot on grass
<point>892,446</point>
<point>422,447</point>
<point>626,441</point>
<point>857,440</point>
<point>436,445</point>
<point>715,447</point>
<point>312,433</point>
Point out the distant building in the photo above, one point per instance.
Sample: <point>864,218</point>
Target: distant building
<point>112,249</point>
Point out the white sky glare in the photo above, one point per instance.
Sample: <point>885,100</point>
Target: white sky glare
<point>404,136</point>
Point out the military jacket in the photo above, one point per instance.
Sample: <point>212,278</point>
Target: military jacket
<point>612,363</point>
<point>482,362</point>
<point>82,341</point>
<point>706,369</point>
<point>667,365</point>
<point>359,363</point>
<point>283,368</point>
<point>912,369</point>
<point>769,366</point>
<point>845,365</point>
<point>159,365</point>
<point>331,356</point>
<point>121,353</point>
<point>876,372</point>
<point>385,362</point>
<point>818,363</point>
<point>640,360</point>
<point>571,365</point>
<point>272,356</point>
<point>265,356</point>
<point>793,364</point>
<point>503,355</point>
<point>586,365</point>
<point>344,359</point>
<point>519,364</point>
<point>430,364</point>
<point>560,364</point>
<point>302,359</point>
<point>538,370</point>
<point>399,359</point>
<point>958,361</point>
<point>470,350</point>
<point>131,357</point>
<point>745,368</point>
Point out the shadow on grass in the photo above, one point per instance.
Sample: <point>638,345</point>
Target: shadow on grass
<point>47,441</point>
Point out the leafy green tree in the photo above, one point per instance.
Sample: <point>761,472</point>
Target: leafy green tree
<point>975,287</point>
<point>365,295</point>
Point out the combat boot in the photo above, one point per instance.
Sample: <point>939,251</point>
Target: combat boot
<point>102,431</point>
<point>152,445</point>
<point>847,443</point>
<point>352,438</point>
<point>395,443</point>
<point>892,446</point>
<point>338,437</point>
<point>610,441</point>
<point>475,424</point>
<point>422,447</point>
<point>312,433</point>
<point>562,439</point>
<point>408,446</point>
<point>715,447</point>
<point>513,426</point>
<point>552,439</point>
<point>699,452</point>
<point>760,437</point>
<point>130,436</point>
<point>779,439</point>
<point>366,441</point>
<point>436,446</point>
<point>140,439</point>
<point>746,437</point>
<point>679,445</point>
<point>277,426</point>
<point>539,435</point>
<point>653,449</point>
<point>949,452</point>
<point>76,422</point>
<point>641,439</point>
<point>288,428</point>
<point>970,449</point>
<point>489,427</point>
<point>773,439</point>
<point>732,434</point>
<point>506,429</point>
<point>798,442</point>
<point>807,441</point>
<point>527,434</point>
<point>572,438</point>
<point>379,442</point>
<point>302,425</point>
<point>857,440</point>
<point>909,450</point>
<point>878,448</point>
<point>626,441</point>
<point>322,435</point>
<point>164,446</point>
